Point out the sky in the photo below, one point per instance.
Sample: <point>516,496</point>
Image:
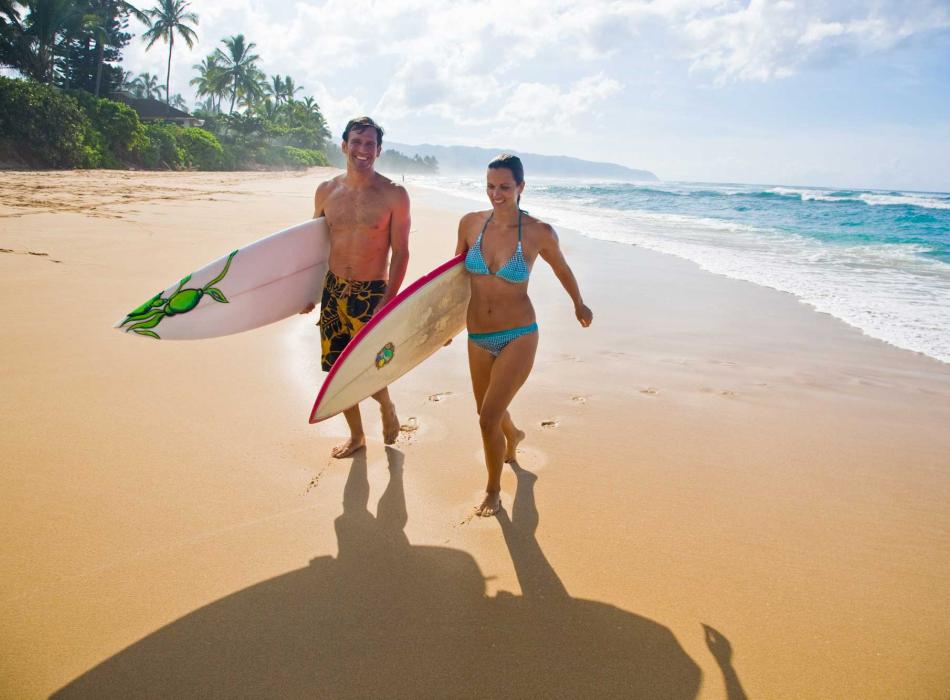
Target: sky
<point>834,93</point>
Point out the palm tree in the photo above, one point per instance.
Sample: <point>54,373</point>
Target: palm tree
<point>253,89</point>
<point>276,88</point>
<point>311,106</point>
<point>238,62</point>
<point>128,83</point>
<point>212,80</point>
<point>146,85</point>
<point>290,89</point>
<point>178,102</point>
<point>169,17</point>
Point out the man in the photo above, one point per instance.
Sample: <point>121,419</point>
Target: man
<point>368,216</point>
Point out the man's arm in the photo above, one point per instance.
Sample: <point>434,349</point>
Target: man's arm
<point>399,226</point>
<point>320,198</point>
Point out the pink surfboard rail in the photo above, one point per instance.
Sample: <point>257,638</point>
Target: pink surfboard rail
<point>377,318</point>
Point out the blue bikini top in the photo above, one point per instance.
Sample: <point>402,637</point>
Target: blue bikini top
<point>515,270</point>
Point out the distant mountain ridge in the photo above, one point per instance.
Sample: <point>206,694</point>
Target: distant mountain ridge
<point>472,159</point>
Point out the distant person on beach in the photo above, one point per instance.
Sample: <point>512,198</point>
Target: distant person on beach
<point>368,218</point>
<point>501,245</point>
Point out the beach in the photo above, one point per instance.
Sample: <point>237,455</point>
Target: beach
<point>722,493</point>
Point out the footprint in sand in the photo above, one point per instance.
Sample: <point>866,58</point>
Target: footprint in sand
<point>650,391</point>
<point>550,423</point>
<point>441,396</point>
<point>728,393</point>
<point>579,399</point>
<point>568,357</point>
<point>314,481</point>
<point>410,426</point>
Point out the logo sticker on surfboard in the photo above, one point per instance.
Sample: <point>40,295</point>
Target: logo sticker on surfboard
<point>385,356</point>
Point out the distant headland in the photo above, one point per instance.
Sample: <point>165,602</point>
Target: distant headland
<point>471,159</point>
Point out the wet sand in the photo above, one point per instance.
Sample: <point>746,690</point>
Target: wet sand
<point>722,492</point>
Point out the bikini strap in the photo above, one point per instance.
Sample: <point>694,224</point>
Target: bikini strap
<point>484,226</point>
<point>520,212</point>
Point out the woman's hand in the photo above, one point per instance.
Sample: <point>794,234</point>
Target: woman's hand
<point>584,314</point>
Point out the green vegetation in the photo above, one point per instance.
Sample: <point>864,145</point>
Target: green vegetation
<point>69,52</point>
<point>70,111</point>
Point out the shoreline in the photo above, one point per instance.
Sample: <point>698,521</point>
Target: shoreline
<point>895,336</point>
<point>709,453</point>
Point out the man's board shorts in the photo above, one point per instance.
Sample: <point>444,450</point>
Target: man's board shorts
<point>346,306</point>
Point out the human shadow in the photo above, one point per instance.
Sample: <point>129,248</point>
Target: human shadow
<point>385,618</point>
<point>721,650</point>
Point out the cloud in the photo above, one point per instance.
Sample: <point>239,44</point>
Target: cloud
<point>496,64</point>
<point>769,39</point>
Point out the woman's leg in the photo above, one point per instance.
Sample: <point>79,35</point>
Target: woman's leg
<point>495,382</point>
<point>480,363</point>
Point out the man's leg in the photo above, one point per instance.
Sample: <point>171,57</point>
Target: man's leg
<point>335,333</point>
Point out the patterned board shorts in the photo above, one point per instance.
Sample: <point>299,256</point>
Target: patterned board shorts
<point>345,308</point>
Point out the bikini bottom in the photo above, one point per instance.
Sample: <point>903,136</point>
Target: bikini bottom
<point>495,342</point>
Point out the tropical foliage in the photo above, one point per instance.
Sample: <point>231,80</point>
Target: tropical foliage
<point>72,50</point>
<point>68,43</point>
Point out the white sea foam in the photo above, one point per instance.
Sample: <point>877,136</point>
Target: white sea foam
<point>907,198</point>
<point>889,291</point>
<point>913,199</point>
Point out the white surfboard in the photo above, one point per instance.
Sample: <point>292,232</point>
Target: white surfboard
<point>416,323</point>
<point>265,281</point>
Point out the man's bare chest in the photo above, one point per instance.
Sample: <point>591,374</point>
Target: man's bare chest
<point>358,211</point>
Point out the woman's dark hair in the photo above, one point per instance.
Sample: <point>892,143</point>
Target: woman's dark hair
<point>361,124</point>
<point>509,162</point>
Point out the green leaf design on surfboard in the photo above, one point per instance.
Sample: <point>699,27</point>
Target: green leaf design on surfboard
<point>181,301</point>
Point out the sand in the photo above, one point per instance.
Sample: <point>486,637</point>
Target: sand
<point>722,492</point>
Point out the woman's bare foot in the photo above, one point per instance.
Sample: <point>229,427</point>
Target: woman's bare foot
<point>390,422</point>
<point>490,506</point>
<point>511,449</point>
<point>345,449</point>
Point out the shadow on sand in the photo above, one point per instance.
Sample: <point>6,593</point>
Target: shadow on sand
<point>389,619</point>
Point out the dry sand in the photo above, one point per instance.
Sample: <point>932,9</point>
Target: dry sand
<point>709,453</point>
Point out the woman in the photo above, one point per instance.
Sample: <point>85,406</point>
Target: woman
<point>501,245</point>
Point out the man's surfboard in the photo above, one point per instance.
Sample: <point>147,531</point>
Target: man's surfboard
<point>265,281</point>
<point>416,323</point>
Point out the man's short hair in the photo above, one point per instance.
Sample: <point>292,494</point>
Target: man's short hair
<point>362,124</point>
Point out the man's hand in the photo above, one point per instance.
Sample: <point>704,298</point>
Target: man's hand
<point>310,307</point>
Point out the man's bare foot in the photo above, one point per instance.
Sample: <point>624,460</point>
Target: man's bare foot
<point>511,449</point>
<point>390,422</point>
<point>345,449</point>
<point>490,506</point>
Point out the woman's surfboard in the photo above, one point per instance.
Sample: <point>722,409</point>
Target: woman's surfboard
<point>263,282</point>
<point>416,323</point>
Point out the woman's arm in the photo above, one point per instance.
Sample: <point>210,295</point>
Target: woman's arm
<point>550,251</point>
<point>461,246</point>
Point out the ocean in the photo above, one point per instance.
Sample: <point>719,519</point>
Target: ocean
<point>877,260</point>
